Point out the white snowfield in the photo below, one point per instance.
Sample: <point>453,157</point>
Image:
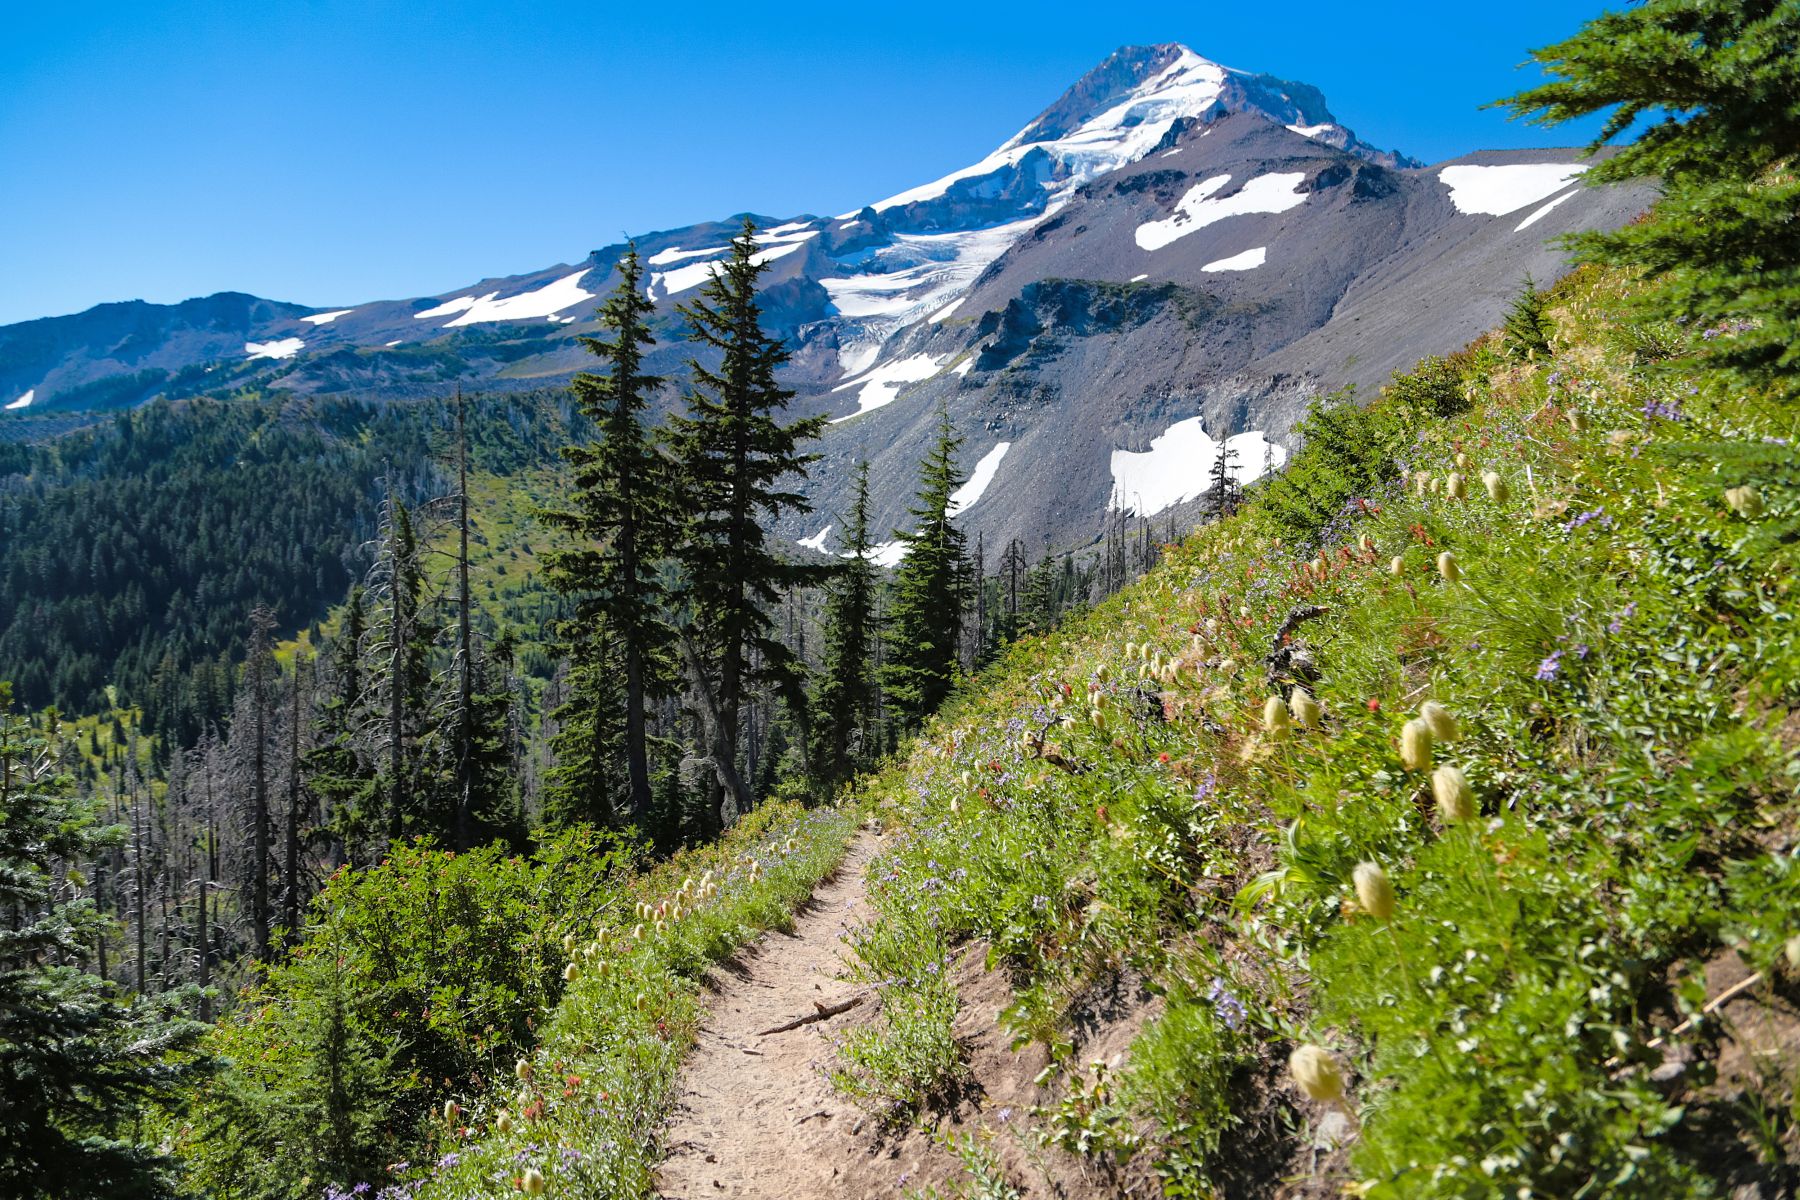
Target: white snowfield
<point>1275,193</point>
<point>1179,464</point>
<point>881,387</point>
<point>23,401</point>
<point>664,284</point>
<point>1494,191</point>
<point>1249,260</point>
<point>1312,131</point>
<point>546,301</point>
<point>965,496</point>
<point>280,348</point>
<point>817,540</point>
<point>674,254</point>
<point>1543,211</point>
<point>327,318</point>
<point>920,272</point>
<point>887,554</point>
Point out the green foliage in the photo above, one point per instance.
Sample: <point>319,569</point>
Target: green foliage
<point>418,980</point>
<point>1346,452</point>
<point>623,519</point>
<point>77,1064</point>
<point>846,695</point>
<point>1716,81</point>
<point>1526,329</point>
<point>188,515</point>
<point>931,591</point>
<point>1619,651</point>
<point>602,1075</point>
<point>737,464</point>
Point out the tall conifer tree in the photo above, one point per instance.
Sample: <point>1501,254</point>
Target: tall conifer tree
<point>931,590</point>
<point>738,464</point>
<point>624,514</point>
<point>847,699</point>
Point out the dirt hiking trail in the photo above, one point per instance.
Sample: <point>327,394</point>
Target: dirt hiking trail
<point>756,1116</point>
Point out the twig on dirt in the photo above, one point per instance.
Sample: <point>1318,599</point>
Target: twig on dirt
<point>823,1012</point>
<point>1712,1006</point>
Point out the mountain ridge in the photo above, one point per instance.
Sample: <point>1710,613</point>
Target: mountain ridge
<point>900,298</point>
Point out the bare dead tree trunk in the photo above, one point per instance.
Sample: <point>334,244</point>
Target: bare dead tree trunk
<point>465,720</point>
<point>261,621</point>
<point>728,782</point>
<point>291,860</point>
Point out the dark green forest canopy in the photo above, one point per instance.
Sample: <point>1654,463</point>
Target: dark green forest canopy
<point>135,550</point>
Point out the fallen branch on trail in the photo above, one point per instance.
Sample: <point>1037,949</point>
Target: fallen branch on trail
<point>824,1012</point>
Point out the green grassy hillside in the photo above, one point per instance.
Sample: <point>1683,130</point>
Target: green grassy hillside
<point>1504,929</point>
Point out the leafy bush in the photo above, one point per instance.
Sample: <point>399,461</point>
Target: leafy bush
<point>418,980</point>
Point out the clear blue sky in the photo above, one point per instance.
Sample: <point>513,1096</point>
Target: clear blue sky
<point>336,151</point>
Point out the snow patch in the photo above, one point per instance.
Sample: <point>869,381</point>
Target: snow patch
<point>1171,153</point>
<point>664,284</point>
<point>962,368</point>
<point>1179,464</point>
<point>447,308</point>
<point>327,318</point>
<point>663,258</point>
<point>887,554</point>
<point>23,401</point>
<point>1195,211</point>
<point>817,540</point>
<point>881,386</point>
<point>983,474</point>
<point>1311,131</point>
<point>1494,191</point>
<point>546,301</point>
<point>280,348</point>
<point>949,308</point>
<point>1139,278</point>
<point>1249,260</point>
<point>1543,212</point>
<point>391,344</point>
<point>917,274</point>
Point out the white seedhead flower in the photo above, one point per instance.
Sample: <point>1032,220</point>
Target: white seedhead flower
<point>1275,716</point>
<point>1438,719</point>
<point>1455,798</point>
<point>1373,891</point>
<point>1415,745</point>
<point>1317,1072</point>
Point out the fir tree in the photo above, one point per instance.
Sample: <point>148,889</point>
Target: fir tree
<point>585,784</point>
<point>1526,330</point>
<point>931,590</point>
<point>1037,599</point>
<point>1717,79</point>
<point>1225,492</point>
<point>846,699</point>
<point>624,516</point>
<point>76,1064</point>
<point>737,462</point>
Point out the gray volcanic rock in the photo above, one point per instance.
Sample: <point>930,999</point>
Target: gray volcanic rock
<point>1232,278</point>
